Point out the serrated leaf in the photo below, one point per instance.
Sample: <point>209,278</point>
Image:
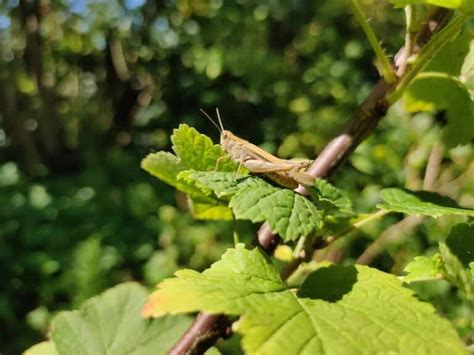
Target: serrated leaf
<point>288,213</point>
<point>336,208</point>
<point>331,197</point>
<point>423,268</point>
<point>197,152</point>
<point>163,165</point>
<point>420,203</point>
<point>222,184</point>
<point>194,151</point>
<point>432,92</point>
<point>338,309</point>
<point>43,348</point>
<point>111,324</point>
<point>461,242</point>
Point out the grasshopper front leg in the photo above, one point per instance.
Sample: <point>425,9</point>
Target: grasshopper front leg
<point>227,156</point>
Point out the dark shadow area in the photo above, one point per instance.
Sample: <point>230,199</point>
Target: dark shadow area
<point>461,242</point>
<point>329,283</point>
<point>431,197</point>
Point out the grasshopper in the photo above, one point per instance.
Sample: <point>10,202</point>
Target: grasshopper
<point>288,173</point>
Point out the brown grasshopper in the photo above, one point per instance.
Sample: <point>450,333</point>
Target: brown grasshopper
<point>288,173</point>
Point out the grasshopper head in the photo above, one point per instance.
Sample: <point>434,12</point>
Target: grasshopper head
<point>227,139</point>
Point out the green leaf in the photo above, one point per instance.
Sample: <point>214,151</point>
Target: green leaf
<point>337,310</point>
<point>331,198</point>
<point>421,203</point>
<point>456,273</point>
<point>240,273</point>
<point>210,211</point>
<point>423,268</point>
<point>461,242</point>
<point>288,213</point>
<point>194,151</point>
<point>111,324</point>
<point>222,185</point>
<point>43,348</point>
<point>432,92</point>
<point>163,165</point>
<point>451,57</point>
<point>197,151</point>
<point>335,206</point>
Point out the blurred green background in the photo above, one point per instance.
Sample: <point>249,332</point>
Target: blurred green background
<point>88,88</point>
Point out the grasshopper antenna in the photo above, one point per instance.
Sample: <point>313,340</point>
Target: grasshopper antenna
<point>219,118</point>
<point>210,119</point>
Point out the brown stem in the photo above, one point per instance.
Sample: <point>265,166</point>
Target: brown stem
<point>201,335</point>
<point>362,122</point>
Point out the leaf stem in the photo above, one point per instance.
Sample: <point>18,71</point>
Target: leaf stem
<point>235,235</point>
<point>426,54</point>
<point>369,218</point>
<point>387,70</point>
<point>375,215</point>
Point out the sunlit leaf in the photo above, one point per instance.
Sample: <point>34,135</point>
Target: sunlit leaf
<point>43,348</point>
<point>337,310</point>
<point>423,268</point>
<point>288,213</point>
<point>421,203</point>
<point>222,184</point>
<point>194,151</point>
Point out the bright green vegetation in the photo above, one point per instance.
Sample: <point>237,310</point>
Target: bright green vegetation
<point>117,203</point>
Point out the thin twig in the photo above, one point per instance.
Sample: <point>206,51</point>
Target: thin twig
<point>201,335</point>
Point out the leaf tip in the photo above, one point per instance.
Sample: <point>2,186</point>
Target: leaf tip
<point>150,308</point>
